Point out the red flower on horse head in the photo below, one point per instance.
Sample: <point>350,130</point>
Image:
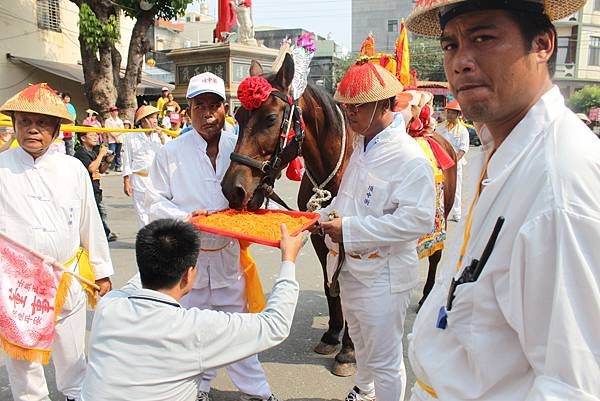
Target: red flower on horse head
<point>253,91</point>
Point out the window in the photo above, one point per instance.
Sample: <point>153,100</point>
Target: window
<point>594,53</point>
<point>48,15</point>
<point>392,26</point>
<point>596,5</point>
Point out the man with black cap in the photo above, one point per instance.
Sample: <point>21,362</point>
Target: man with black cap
<point>186,176</point>
<point>514,312</point>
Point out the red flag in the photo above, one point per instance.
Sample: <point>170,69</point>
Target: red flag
<point>32,293</point>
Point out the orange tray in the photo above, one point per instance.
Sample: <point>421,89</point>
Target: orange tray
<point>314,217</point>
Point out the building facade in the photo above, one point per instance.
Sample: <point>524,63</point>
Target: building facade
<point>382,18</point>
<point>578,53</point>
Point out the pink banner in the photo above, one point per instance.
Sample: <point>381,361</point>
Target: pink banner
<point>29,304</point>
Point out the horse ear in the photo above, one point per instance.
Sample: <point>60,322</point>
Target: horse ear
<point>285,75</point>
<point>255,68</point>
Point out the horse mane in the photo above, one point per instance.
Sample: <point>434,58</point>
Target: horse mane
<point>332,122</point>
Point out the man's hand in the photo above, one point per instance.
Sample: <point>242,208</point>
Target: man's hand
<point>290,246</point>
<point>105,285</point>
<point>333,228</point>
<point>195,213</point>
<point>127,186</point>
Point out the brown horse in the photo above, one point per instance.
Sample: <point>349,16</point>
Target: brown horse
<point>322,149</point>
<point>259,135</point>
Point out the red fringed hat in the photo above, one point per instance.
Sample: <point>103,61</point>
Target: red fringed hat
<point>39,99</point>
<point>366,82</point>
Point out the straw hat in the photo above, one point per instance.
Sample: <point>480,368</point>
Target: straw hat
<point>40,99</point>
<point>584,118</point>
<point>453,105</point>
<point>366,82</point>
<point>91,112</point>
<point>425,18</point>
<point>145,111</point>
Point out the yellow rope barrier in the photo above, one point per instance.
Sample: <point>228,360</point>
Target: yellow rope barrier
<point>77,128</point>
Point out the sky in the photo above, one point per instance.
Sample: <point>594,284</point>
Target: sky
<point>319,16</point>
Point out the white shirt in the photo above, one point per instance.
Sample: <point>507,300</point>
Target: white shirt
<point>458,136</point>
<point>528,328</point>
<point>150,348</point>
<point>114,137</point>
<point>48,204</point>
<point>183,180</point>
<point>139,150</point>
<point>387,201</point>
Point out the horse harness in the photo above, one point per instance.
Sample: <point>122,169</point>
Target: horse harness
<point>286,150</point>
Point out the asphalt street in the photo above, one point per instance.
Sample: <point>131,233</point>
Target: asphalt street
<point>294,371</point>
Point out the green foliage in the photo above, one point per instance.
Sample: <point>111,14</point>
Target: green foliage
<point>427,58</point>
<point>94,31</point>
<point>585,99</point>
<point>165,9</point>
<point>340,67</point>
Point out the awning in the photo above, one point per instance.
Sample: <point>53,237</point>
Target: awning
<point>74,72</point>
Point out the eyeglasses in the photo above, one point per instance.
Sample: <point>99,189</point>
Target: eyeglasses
<point>351,108</point>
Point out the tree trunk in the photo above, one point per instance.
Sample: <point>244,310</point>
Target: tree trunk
<point>104,86</point>
<point>138,46</point>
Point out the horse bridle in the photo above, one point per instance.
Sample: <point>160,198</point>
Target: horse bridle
<point>285,150</point>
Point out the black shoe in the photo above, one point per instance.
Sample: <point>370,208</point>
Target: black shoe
<point>112,237</point>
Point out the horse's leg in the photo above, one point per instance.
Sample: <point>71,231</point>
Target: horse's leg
<point>434,260</point>
<point>345,361</point>
<point>330,339</point>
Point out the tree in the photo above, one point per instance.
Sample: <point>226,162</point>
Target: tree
<point>340,67</point>
<point>585,99</point>
<point>99,31</point>
<point>427,58</point>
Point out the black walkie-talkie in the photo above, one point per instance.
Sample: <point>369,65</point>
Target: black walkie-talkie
<point>472,272</point>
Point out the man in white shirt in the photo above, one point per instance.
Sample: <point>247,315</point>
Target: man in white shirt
<point>145,346</point>
<point>457,134</point>
<point>47,202</point>
<point>385,202</point>
<point>139,150</point>
<point>186,176</point>
<point>115,139</point>
<point>524,325</point>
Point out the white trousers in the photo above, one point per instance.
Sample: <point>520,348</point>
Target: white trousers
<point>247,374</point>
<point>27,380</point>
<point>139,185</point>
<point>456,208</point>
<point>375,319</point>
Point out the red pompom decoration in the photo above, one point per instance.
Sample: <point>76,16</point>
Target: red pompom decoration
<point>253,91</point>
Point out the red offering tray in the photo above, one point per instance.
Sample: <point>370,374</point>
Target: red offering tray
<point>201,223</point>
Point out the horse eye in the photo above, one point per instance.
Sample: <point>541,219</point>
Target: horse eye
<point>270,120</point>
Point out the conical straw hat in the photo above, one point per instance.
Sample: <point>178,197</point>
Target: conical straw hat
<point>40,99</point>
<point>145,111</point>
<point>425,18</point>
<point>367,82</point>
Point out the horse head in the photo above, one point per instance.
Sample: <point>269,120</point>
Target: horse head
<point>262,149</point>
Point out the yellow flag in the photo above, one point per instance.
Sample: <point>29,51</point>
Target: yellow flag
<point>403,57</point>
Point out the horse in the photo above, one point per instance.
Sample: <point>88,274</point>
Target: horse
<point>325,144</point>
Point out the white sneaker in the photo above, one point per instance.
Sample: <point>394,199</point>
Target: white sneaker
<point>203,396</point>
<point>355,395</point>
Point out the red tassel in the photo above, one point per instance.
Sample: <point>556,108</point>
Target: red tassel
<point>294,170</point>
<point>359,79</point>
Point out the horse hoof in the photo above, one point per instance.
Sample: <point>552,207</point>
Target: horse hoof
<point>325,349</point>
<point>343,369</point>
